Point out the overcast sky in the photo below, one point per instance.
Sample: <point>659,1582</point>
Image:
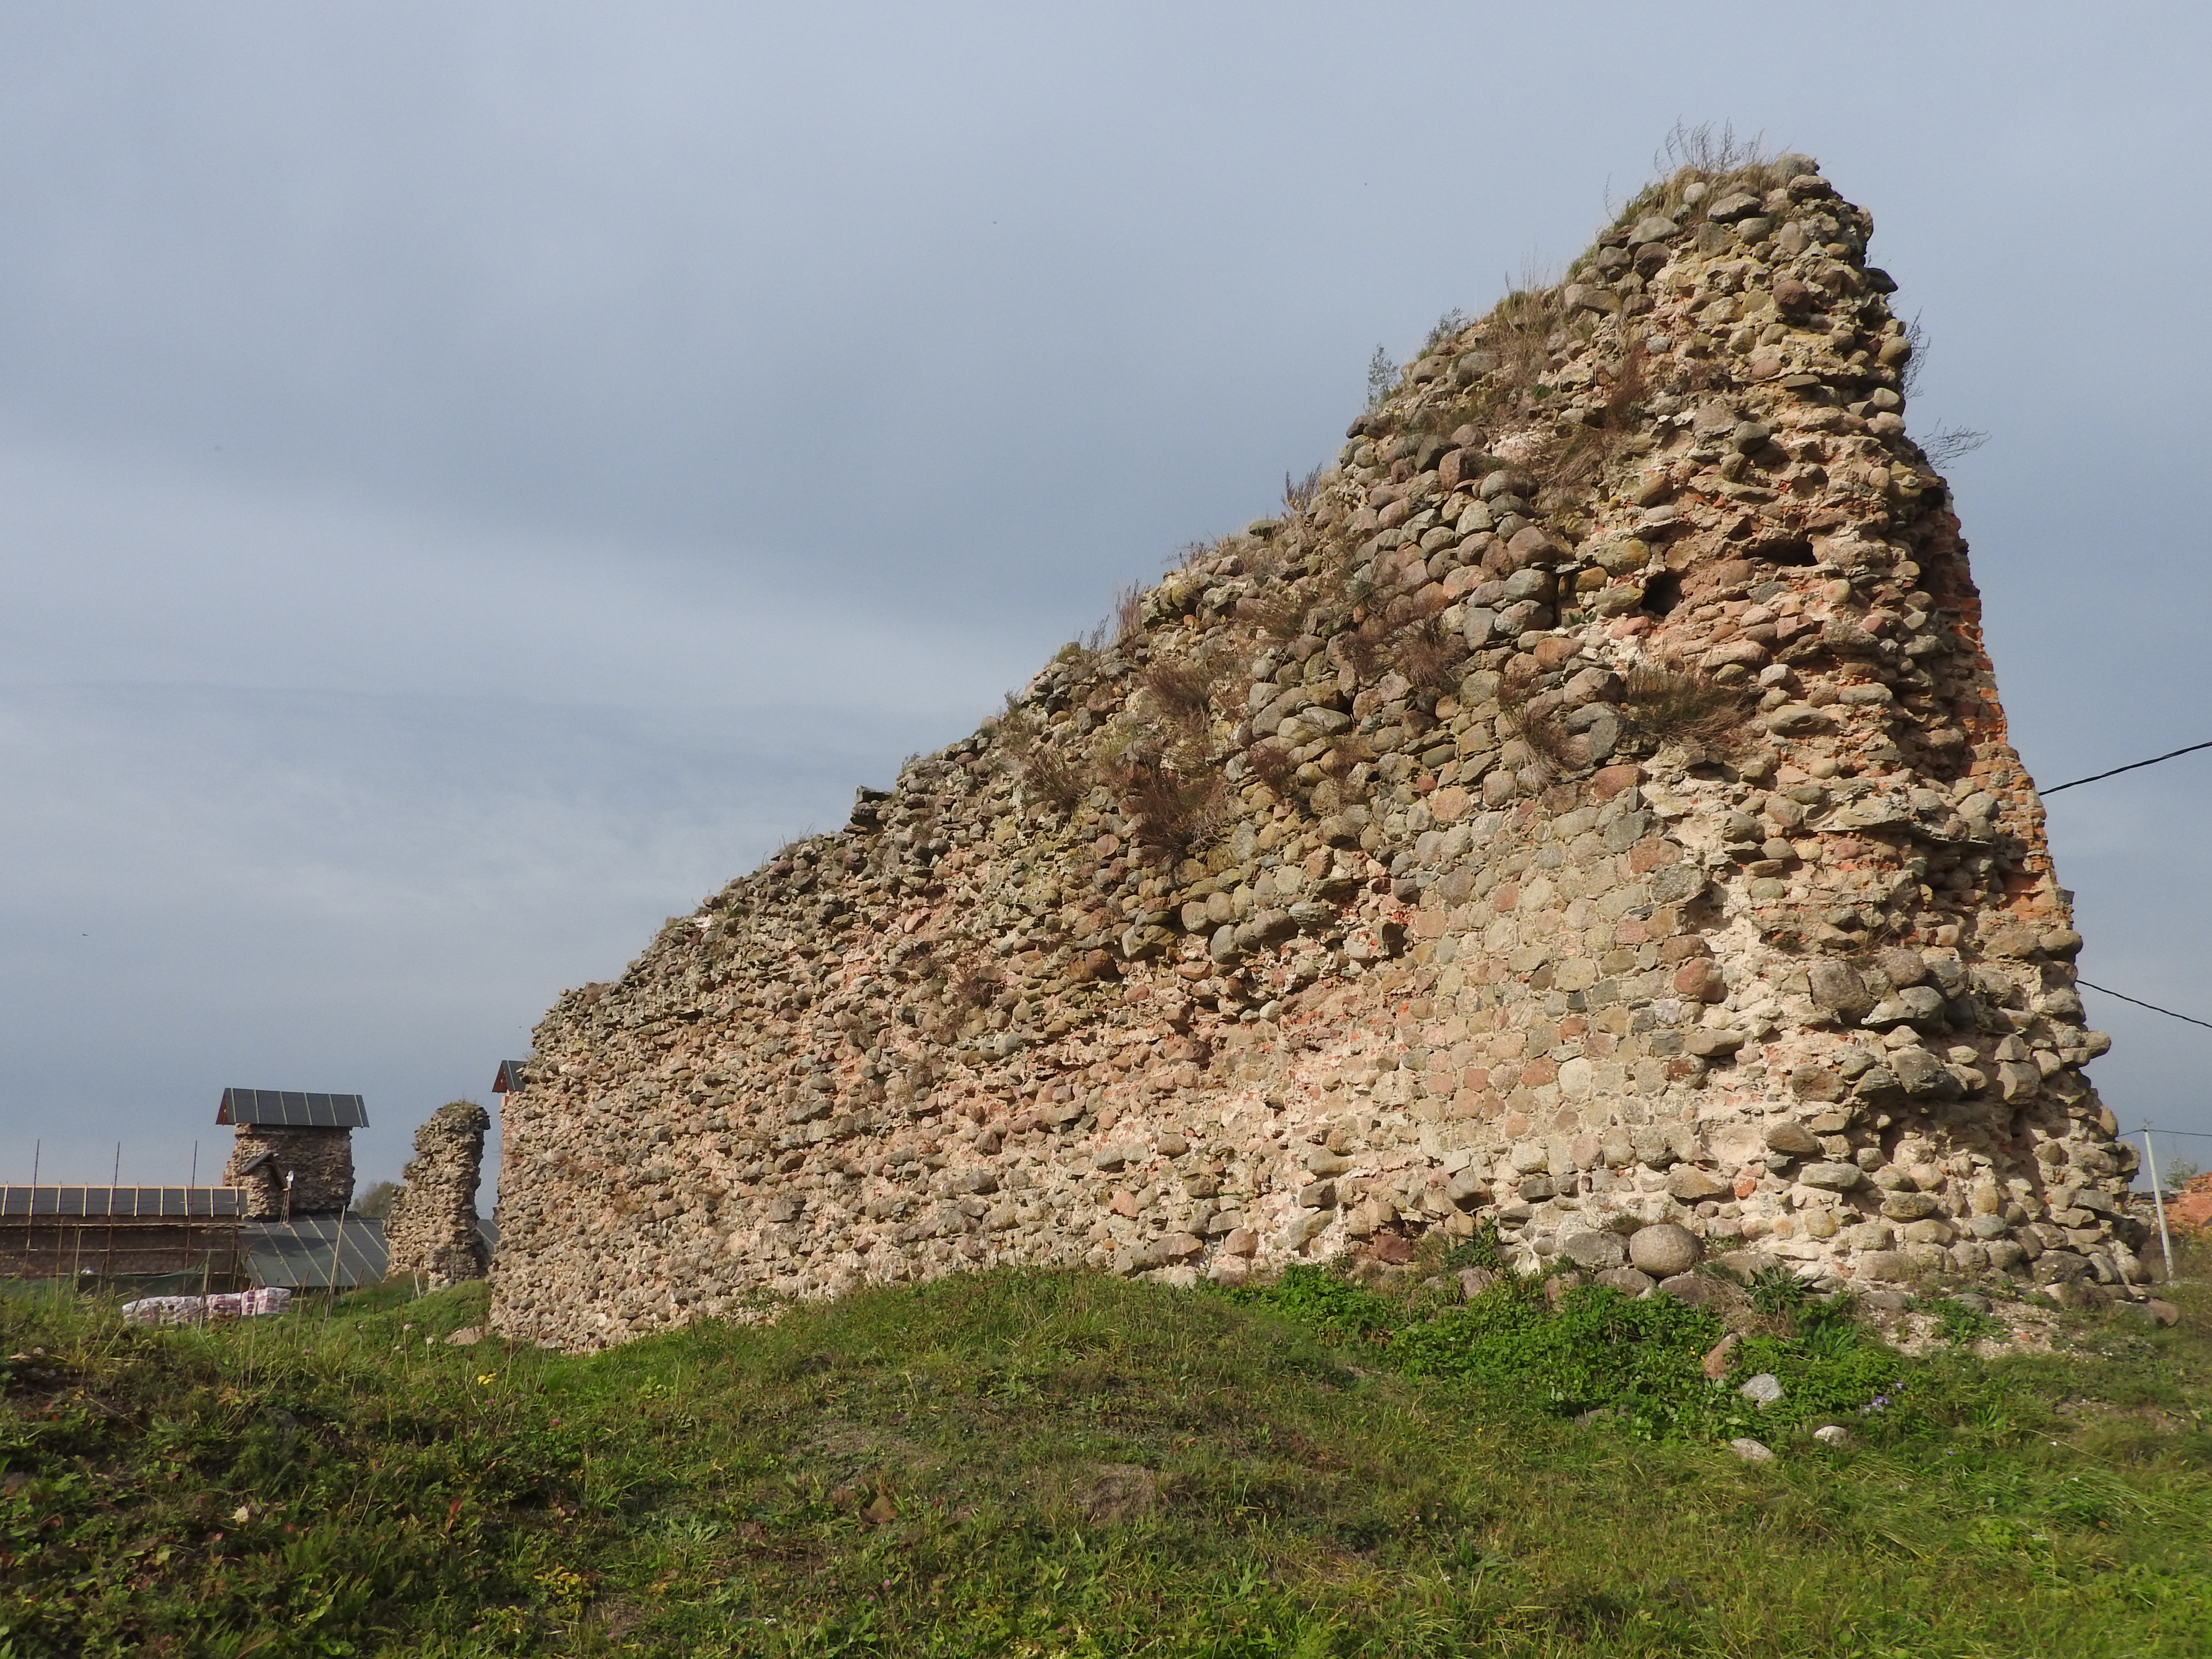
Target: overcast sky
<point>474,477</point>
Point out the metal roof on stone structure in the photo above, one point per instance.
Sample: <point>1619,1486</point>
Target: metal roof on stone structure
<point>289,1108</point>
<point>124,1203</point>
<point>334,1252</point>
<point>327,1252</point>
<point>509,1077</point>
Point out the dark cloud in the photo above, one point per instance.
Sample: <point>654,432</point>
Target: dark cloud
<point>472,480</point>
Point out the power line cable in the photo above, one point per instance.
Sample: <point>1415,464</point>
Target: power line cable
<point>2140,1003</point>
<point>2130,767</point>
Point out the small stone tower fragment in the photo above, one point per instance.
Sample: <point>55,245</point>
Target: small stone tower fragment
<point>432,1230</point>
<point>294,1154</point>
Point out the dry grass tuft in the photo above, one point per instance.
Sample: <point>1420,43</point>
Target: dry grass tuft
<point>1027,749</point>
<point>1916,361</point>
<point>1520,334</point>
<point>1170,814</point>
<point>1538,726</point>
<point>1710,155</point>
<point>1523,332</point>
<point>1346,751</point>
<point>1578,453</point>
<point>1272,764</point>
<point>1950,443</point>
<point>1444,330</point>
<point>1298,493</point>
<point>1518,337</point>
<point>1128,614</point>
<point>1052,777</point>
<point>1362,647</point>
<point>1709,151</point>
<point>1276,615</point>
<point>1533,717</point>
<point>1182,687</point>
<point>1669,703</point>
<point>1629,384</point>
<point>1429,655</point>
<point>972,984</point>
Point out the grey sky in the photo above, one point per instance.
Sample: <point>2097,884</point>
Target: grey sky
<point>474,477</point>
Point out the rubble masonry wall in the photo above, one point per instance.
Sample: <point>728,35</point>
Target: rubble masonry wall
<point>1586,806</point>
<point>432,1231</point>
<point>320,1161</point>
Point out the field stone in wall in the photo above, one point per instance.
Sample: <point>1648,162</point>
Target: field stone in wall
<point>1585,807</point>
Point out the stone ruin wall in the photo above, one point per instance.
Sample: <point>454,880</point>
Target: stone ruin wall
<point>431,1232</point>
<point>320,1161</point>
<point>1586,807</point>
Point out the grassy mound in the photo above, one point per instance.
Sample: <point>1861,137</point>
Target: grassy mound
<point>1033,1464</point>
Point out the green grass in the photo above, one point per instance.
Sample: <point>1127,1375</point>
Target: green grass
<point>1640,1363</point>
<point>1033,1464</point>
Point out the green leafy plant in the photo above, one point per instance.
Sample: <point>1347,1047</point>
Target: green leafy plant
<point>1381,377</point>
<point>375,1203</point>
<point>1484,1249</point>
<point>1962,1325</point>
<point>1775,1291</point>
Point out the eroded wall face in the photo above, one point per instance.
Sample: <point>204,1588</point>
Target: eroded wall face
<point>431,1232</point>
<point>1586,807</point>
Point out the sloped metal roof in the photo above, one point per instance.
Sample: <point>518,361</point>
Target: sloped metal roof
<point>509,1077</point>
<point>315,1252</point>
<point>120,1203</point>
<point>292,1110</point>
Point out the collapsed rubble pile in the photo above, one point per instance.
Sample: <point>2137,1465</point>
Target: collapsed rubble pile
<point>1584,810</point>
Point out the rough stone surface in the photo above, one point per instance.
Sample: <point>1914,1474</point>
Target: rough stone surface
<point>1664,1249</point>
<point>1792,1139</point>
<point>1594,1251</point>
<point>318,1164</point>
<point>1763,1389</point>
<point>1834,1177</point>
<point>1695,1289</point>
<point>1544,796</point>
<point>432,1231</point>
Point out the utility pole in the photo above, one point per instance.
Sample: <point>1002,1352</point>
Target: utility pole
<point>2158,1203</point>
